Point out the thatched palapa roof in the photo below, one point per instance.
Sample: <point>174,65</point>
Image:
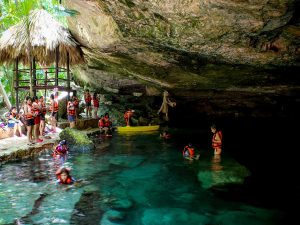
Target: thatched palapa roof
<point>45,34</point>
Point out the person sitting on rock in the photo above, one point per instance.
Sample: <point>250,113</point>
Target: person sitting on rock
<point>105,124</point>
<point>14,121</point>
<point>64,177</point>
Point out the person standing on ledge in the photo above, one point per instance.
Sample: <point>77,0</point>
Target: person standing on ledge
<point>88,104</point>
<point>216,139</point>
<point>54,112</point>
<point>71,110</point>
<point>96,105</point>
<point>165,105</point>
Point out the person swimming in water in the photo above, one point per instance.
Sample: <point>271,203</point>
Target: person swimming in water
<point>61,149</point>
<point>189,152</point>
<point>165,135</point>
<point>64,177</point>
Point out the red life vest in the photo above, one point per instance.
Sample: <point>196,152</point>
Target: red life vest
<point>107,123</point>
<point>101,123</point>
<point>87,98</point>
<point>96,102</point>
<point>71,109</point>
<point>190,150</point>
<point>54,106</point>
<point>214,143</point>
<point>69,180</point>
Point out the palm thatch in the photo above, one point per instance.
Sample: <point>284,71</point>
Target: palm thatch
<point>44,36</point>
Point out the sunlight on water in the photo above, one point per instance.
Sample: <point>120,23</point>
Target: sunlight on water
<point>136,179</point>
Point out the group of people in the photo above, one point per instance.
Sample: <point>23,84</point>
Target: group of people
<point>88,104</point>
<point>189,150</point>
<point>32,114</point>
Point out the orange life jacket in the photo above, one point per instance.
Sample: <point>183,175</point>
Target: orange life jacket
<point>190,150</point>
<point>71,109</point>
<point>69,180</point>
<point>54,106</point>
<point>29,114</point>
<point>217,144</point>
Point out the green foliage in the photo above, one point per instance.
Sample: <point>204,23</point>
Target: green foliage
<point>7,80</point>
<point>15,11</point>
<point>12,12</point>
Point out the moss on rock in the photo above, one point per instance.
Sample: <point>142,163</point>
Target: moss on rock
<point>76,138</point>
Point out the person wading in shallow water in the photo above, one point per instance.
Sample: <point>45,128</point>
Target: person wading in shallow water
<point>216,139</point>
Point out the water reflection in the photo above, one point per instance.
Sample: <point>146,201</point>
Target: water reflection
<point>217,170</point>
<point>216,163</point>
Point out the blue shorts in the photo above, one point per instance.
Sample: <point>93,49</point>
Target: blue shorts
<point>11,124</point>
<point>71,118</point>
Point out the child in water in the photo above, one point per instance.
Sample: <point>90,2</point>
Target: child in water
<point>61,149</point>
<point>165,135</point>
<point>189,152</point>
<point>64,177</point>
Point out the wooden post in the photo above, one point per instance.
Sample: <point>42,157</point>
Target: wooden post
<point>56,72</point>
<point>68,74</point>
<point>34,76</point>
<point>46,78</point>
<point>17,84</point>
<point>56,65</point>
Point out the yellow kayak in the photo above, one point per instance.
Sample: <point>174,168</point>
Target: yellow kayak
<point>138,128</point>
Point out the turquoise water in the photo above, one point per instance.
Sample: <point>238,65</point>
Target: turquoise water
<point>136,180</point>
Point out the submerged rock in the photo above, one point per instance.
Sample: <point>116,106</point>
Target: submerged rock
<point>223,174</point>
<point>174,216</point>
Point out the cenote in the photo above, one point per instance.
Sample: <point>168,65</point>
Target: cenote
<point>179,64</point>
<point>141,179</point>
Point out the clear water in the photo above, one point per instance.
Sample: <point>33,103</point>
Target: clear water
<point>129,179</point>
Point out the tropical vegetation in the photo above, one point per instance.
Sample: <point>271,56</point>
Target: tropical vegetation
<point>14,12</point>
